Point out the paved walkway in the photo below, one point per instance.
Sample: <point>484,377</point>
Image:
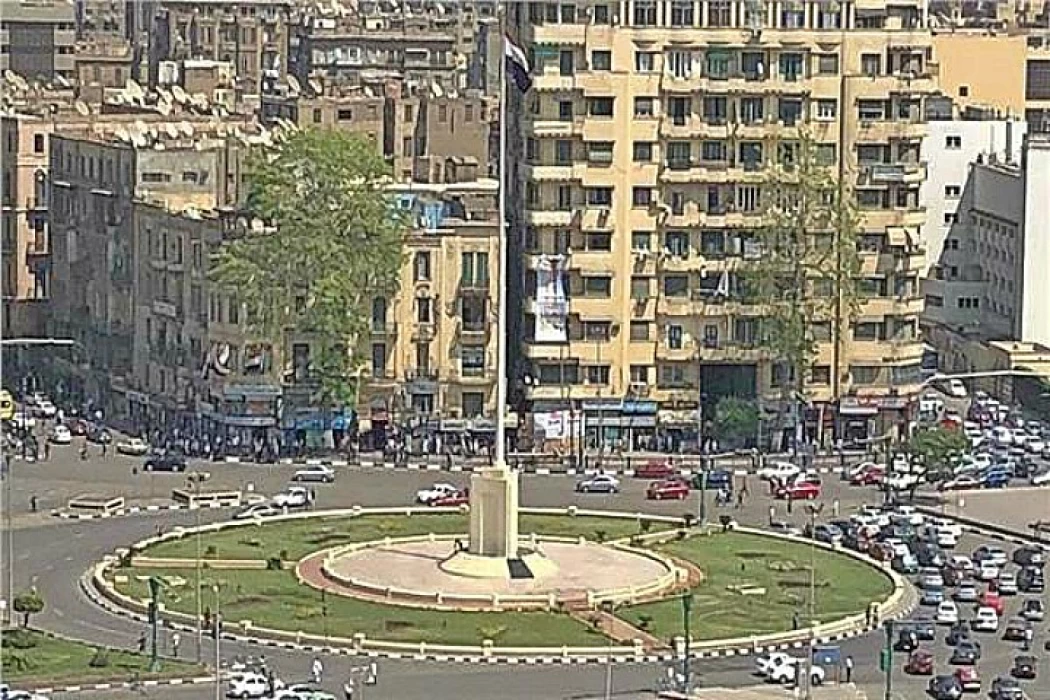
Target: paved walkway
<point>838,692</point>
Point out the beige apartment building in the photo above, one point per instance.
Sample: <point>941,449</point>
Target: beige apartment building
<point>649,130</point>
<point>37,39</point>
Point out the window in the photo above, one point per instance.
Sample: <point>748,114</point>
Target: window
<point>600,14</point>
<point>345,115</point>
<point>674,337</point>
<point>671,375</point>
<point>600,151</point>
<point>644,13</point>
<point>953,142</point>
<point>474,270</point>
<point>964,91</point>
<point>640,288</point>
<point>679,63</point>
<point>752,110</point>
<point>594,286</point>
<point>378,313</point>
<point>599,196</point>
<point>563,152</point>
<point>682,14</point>
<point>566,63</point>
<point>597,331</point>
<point>639,374</point>
<point>791,66</point>
<point>600,106</point>
<point>952,244</point>
<point>639,331</point>
<point>597,242</point>
<point>421,266</point>
<point>820,375</point>
<point>719,65</point>
<point>598,374</point>
<point>473,404</point>
<point>424,310</point>
<point>641,196</point>
<point>713,151</point>
<point>378,359</point>
<point>715,110</point>
<point>564,197</point>
<point>952,191</point>
<point>643,151</point>
<point>38,143</point>
<point>864,374</point>
<point>871,64</point>
<point>869,331</point>
<point>950,218</point>
<point>644,61</point>
<point>601,60</point>
<point>640,240</point>
<point>828,64</point>
<point>827,110</point>
<point>679,154</point>
<point>676,285</point>
<point>643,107</point>
<point>676,243</point>
<point>565,110</point>
<point>472,361</point>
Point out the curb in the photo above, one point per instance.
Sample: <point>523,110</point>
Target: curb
<point>134,510</point>
<point>126,685</point>
<point>905,603</point>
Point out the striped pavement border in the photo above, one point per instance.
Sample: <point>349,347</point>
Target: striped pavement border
<point>125,685</point>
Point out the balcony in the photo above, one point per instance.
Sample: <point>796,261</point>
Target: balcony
<point>554,128</point>
<point>684,352</point>
<point>424,331</point>
<point>422,381</point>
<point>880,219</point>
<point>884,173</point>
<point>591,261</point>
<point>551,217</point>
<point>883,131</point>
<point>383,329</point>
<point>471,329</point>
<point>879,307</point>
<point>731,353</point>
<point>166,309</point>
<point>552,173</point>
<point>471,377</point>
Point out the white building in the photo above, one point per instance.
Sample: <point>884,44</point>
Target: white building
<point>991,279</point>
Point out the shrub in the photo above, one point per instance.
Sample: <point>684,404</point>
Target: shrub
<point>100,659</point>
<point>210,552</point>
<point>19,639</point>
<point>274,564</point>
<point>28,603</point>
<point>644,622</point>
<point>645,526</point>
<point>599,535</point>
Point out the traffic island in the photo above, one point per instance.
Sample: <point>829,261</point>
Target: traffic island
<point>270,602</point>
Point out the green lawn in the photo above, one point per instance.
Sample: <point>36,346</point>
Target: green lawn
<point>844,586</point>
<point>275,599</point>
<point>300,537</point>
<point>52,661</point>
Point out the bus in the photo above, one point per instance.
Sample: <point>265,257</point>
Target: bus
<point>7,405</point>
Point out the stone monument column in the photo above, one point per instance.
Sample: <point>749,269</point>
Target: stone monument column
<point>494,513</point>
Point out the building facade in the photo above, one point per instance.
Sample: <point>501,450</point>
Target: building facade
<point>38,38</point>
<point>648,135</point>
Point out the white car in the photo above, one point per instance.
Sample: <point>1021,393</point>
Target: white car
<point>1035,445</point>
<point>785,673</point>
<point>987,570</point>
<point>902,482</point>
<point>1002,436</point>
<point>881,517</point>
<point>985,620</point>
<point>931,404</point>
<point>1006,584</point>
<point>1033,610</point>
<point>962,564</point>
<point>1020,437</point>
<point>947,525</point>
<point>942,537</point>
<point>947,613</point>
<point>248,685</point>
<point>991,552</point>
<point>765,664</point>
<point>435,492</point>
<point>135,447</point>
<point>976,461</point>
<point>60,435</point>
<point>316,472</point>
<point>1041,478</point>
<point>779,471</point>
<point>957,389</point>
<point>45,409</point>
<point>907,515</point>
<point>293,497</point>
<point>259,510</point>
<point>599,483</point>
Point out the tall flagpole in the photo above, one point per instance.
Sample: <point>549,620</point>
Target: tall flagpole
<point>501,284</point>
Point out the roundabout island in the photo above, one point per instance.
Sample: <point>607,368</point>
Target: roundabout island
<point>377,581</point>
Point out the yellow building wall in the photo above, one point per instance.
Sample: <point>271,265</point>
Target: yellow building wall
<point>990,69</point>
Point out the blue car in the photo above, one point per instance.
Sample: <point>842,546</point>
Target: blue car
<point>995,479</point>
<point>932,596</point>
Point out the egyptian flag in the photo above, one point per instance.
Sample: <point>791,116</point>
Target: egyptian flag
<point>517,65</point>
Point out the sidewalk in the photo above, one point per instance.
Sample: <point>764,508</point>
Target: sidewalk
<point>837,692</point>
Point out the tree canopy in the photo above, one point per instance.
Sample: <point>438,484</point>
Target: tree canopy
<point>28,603</point>
<point>736,421</point>
<point>937,446</point>
<point>332,240</point>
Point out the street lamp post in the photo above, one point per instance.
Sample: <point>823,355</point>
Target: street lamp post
<point>687,607</point>
<point>218,638</point>
<point>195,479</point>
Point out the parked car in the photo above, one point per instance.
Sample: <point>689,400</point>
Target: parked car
<point>1006,688</point>
<point>1016,629</point>
<point>930,576</point>
<point>991,599</point>
<point>932,596</point>
<point>135,447</point>
<point>1006,584</point>
<point>924,627</point>
<point>600,483</point>
<point>1028,556</point>
<point>947,613</point>
<point>165,462</point>
<point>905,564</point>
<point>316,473</point>
<point>962,482</point>
<point>870,474</point>
<point>957,389</point>
<point>668,489</point>
<point>767,662</point>
<point>98,435</point>
<point>920,663</point>
<point>987,570</point>
<point>656,469</point>
<point>459,498</point>
<point>1033,609</point>
<point>714,479</point>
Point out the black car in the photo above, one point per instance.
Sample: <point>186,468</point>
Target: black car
<point>167,462</point>
<point>1031,580</point>
<point>1025,667</point>
<point>1006,688</point>
<point>98,435</point>
<point>945,688</point>
<point>1028,556</point>
<point>929,554</point>
<point>924,627</point>
<point>1015,630</point>
<point>966,653</point>
<point>907,640</point>
<point>959,632</point>
<point>952,576</point>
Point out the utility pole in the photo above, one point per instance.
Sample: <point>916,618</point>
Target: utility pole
<point>218,639</point>
<point>702,513</point>
<point>154,623</point>
<point>886,660</point>
<point>687,607</point>
<point>814,511</point>
<point>195,479</point>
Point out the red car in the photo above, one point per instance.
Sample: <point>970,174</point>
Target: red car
<point>994,601</point>
<point>459,498</point>
<point>920,663</point>
<point>672,489</point>
<point>968,678</point>
<point>870,477</point>
<point>802,491</point>
<point>655,470</point>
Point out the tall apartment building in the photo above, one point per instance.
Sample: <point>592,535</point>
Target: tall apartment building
<point>647,134</point>
<point>37,39</point>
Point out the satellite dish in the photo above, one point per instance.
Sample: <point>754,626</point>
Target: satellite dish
<point>139,141</point>
<point>316,86</point>
<point>117,98</point>
<point>293,84</point>
<point>163,94</point>
<point>171,130</point>
<point>10,76</point>
<point>186,128</point>
<point>179,94</point>
<point>164,107</point>
<point>140,127</point>
<point>81,108</point>
<point>61,80</point>
<point>134,89</point>
<point>221,131</point>
<point>122,135</point>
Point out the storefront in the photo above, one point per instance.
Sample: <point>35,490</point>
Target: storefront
<point>867,417</point>
<point>617,424</point>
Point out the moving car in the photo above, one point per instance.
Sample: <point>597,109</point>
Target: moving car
<point>944,688</point>
<point>985,620</point>
<point>969,678</point>
<point>930,577</point>
<point>258,510</point>
<point>966,592</point>
<point>1006,688</point>
<point>1015,629</point>
<point>1033,609</point>
<point>44,408</point>
<point>135,447</point>
<point>947,613</point>
<point>778,471</point>
<point>932,596</point>
<point>826,533</point>
<point>247,685</point>
<point>920,663</point>
<point>315,473</point>
<point>1031,580</point>
<point>292,497</point>
<point>785,673</point>
<point>60,435</point>
<point>804,491</point>
<point>459,498</point>
<point>987,570</point>
<point>434,492</point>
<point>963,482</point>
<point>1025,666</point>
<point>98,435</point>
<point>1028,556</point>
<point>669,489</point>
<point>600,483</point>
<point>990,599</point>
<point>1006,584</point>
<point>868,474</point>
<point>957,389</point>
<point>960,632</point>
<point>165,462</point>
<point>764,664</point>
<point>966,653</point>
<point>21,419</point>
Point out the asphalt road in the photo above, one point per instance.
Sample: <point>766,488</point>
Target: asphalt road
<point>51,554</point>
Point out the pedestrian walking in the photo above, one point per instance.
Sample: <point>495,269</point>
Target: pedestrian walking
<point>795,620</point>
<point>47,450</point>
<point>175,639</point>
<point>348,689</point>
<point>849,669</point>
<point>1028,639</point>
<point>142,643</point>
<point>103,449</point>
<point>32,503</point>
<point>739,499</point>
<point>317,670</point>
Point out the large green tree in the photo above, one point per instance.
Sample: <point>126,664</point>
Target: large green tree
<point>332,240</point>
<point>937,446</point>
<point>736,421</point>
<point>802,267</point>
